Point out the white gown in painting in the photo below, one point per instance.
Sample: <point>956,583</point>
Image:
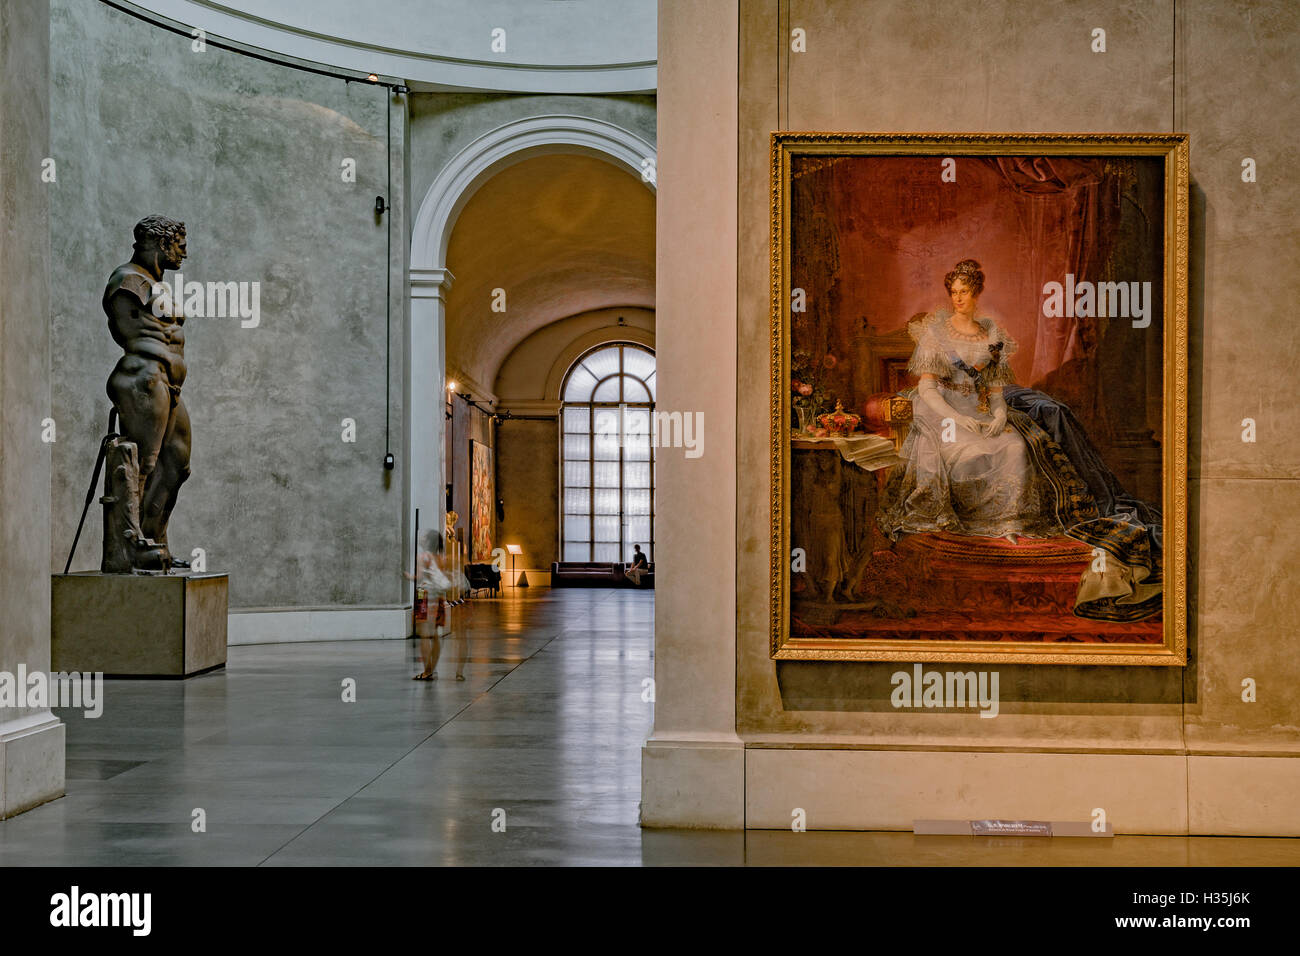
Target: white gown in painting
<point>971,483</point>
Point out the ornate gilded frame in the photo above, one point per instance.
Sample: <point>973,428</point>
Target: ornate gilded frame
<point>1173,147</point>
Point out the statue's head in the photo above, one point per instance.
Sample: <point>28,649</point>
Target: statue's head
<point>161,235</point>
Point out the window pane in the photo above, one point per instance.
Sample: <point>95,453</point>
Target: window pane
<point>577,552</point>
<point>606,474</point>
<point>577,474</point>
<point>650,384</point>
<point>577,419</point>
<point>577,448</point>
<point>636,501</point>
<point>637,448</point>
<point>636,474</point>
<point>636,530</point>
<point>638,363</point>
<point>636,421</point>
<point>607,528</point>
<point>606,501</point>
<point>634,391</point>
<point>606,552</point>
<point>607,421</point>
<point>602,363</point>
<point>579,386</point>
<point>607,391</point>
<point>577,528</point>
<point>606,447</point>
<point>577,501</point>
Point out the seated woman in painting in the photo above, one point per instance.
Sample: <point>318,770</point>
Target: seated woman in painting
<point>986,457</point>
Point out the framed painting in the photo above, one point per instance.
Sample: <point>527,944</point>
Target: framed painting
<point>481,495</point>
<point>979,398</point>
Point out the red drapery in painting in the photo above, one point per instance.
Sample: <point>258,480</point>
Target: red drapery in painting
<point>1067,220</point>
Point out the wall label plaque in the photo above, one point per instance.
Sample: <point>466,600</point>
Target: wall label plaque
<point>1010,828</point>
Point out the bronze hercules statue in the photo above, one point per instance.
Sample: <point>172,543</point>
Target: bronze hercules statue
<point>150,459</point>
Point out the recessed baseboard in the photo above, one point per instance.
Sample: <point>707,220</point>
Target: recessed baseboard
<point>1155,794</point>
<point>298,625</point>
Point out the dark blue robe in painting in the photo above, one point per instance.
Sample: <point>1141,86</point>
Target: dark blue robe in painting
<point>1125,527</point>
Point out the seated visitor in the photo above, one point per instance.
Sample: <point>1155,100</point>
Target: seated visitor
<point>639,565</point>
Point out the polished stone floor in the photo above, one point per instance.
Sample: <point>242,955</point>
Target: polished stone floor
<point>545,733</point>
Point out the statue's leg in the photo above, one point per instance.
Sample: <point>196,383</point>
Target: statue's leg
<point>165,482</point>
<point>138,388</point>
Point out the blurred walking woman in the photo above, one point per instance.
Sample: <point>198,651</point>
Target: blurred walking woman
<point>433,584</point>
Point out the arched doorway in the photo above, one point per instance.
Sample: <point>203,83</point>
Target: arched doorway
<point>431,280</point>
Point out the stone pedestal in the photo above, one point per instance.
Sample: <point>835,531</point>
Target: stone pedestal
<point>128,625</point>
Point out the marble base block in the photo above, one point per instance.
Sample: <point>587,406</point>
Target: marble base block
<point>31,762</point>
<point>129,625</point>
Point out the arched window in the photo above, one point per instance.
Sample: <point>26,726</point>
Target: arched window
<point>606,458</point>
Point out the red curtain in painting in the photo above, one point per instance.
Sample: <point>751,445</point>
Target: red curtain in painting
<point>1067,221</point>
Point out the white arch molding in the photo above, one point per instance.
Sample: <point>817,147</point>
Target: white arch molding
<point>429,279</point>
<point>502,147</point>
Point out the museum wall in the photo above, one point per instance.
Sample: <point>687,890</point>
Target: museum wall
<point>250,155</point>
<point>24,354</point>
<point>1163,750</point>
<point>834,87</point>
<point>693,764</point>
<point>31,737</point>
<point>890,67</point>
<point>528,468</point>
<point>467,424</point>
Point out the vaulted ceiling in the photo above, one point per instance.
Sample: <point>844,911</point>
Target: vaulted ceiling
<point>560,234</point>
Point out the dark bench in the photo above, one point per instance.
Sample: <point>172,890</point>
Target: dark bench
<point>595,574</point>
<point>586,574</point>
<point>483,577</point>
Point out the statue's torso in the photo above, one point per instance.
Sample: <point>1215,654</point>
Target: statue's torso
<point>129,302</point>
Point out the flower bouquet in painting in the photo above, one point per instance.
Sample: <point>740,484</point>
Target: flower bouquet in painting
<point>810,397</point>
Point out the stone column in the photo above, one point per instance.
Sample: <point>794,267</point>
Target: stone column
<point>427,396</point>
<point>693,765</point>
<point>31,738</point>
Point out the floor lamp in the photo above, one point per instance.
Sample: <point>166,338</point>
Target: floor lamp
<point>514,549</point>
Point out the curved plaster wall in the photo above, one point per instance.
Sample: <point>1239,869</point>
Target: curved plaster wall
<point>575,46</point>
<point>298,516</point>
